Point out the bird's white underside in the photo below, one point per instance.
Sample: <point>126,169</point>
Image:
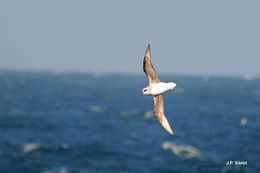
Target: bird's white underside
<point>159,88</point>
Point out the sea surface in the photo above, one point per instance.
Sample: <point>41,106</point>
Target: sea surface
<point>86,123</point>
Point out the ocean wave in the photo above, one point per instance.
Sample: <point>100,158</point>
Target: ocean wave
<point>31,147</point>
<point>243,121</point>
<point>60,170</point>
<point>148,114</point>
<point>185,151</point>
<point>179,90</point>
<point>129,113</point>
<point>248,77</point>
<point>230,168</point>
<point>95,109</point>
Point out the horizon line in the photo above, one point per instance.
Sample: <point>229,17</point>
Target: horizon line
<point>99,73</point>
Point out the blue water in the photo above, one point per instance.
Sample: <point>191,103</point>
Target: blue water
<point>85,123</point>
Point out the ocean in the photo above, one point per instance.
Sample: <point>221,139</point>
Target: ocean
<point>86,123</point>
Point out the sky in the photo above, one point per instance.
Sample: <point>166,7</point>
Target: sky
<point>187,37</point>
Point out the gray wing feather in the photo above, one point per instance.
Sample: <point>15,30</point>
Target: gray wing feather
<point>159,112</point>
<point>158,107</point>
<point>148,67</point>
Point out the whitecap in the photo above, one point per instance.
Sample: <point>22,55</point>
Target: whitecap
<point>228,168</point>
<point>60,170</point>
<point>30,147</point>
<point>63,170</point>
<point>179,90</point>
<point>243,121</point>
<point>185,151</point>
<point>95,108</point>
<point>148,114</point>
<point>248,77</point>
<point>129,113</point>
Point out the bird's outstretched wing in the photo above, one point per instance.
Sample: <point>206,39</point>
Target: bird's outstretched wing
<point>148,67</point>
<point>159,112</point>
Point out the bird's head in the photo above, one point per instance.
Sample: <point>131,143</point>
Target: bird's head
<point>145,91</point>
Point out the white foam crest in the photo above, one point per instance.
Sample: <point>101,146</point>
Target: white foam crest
<point>243,121</point>
<point>148,114</point>
<point>63,170</point>
<point>185,151</point>
<point>129,113</point>
<point>248,77</point>
<point>231,168</point>
<point>30,147</point>
<point>179,90</point>
<point>60,170</point>
<point>95,108</point>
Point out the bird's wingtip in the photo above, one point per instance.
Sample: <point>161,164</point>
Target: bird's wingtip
<point>148,50</point>
<point>167,126</point>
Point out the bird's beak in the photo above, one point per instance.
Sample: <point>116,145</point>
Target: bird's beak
<point>141,94</point>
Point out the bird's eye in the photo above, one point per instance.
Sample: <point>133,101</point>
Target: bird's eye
<point>145,90</point>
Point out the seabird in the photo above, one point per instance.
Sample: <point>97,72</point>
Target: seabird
<point>156,89</point>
